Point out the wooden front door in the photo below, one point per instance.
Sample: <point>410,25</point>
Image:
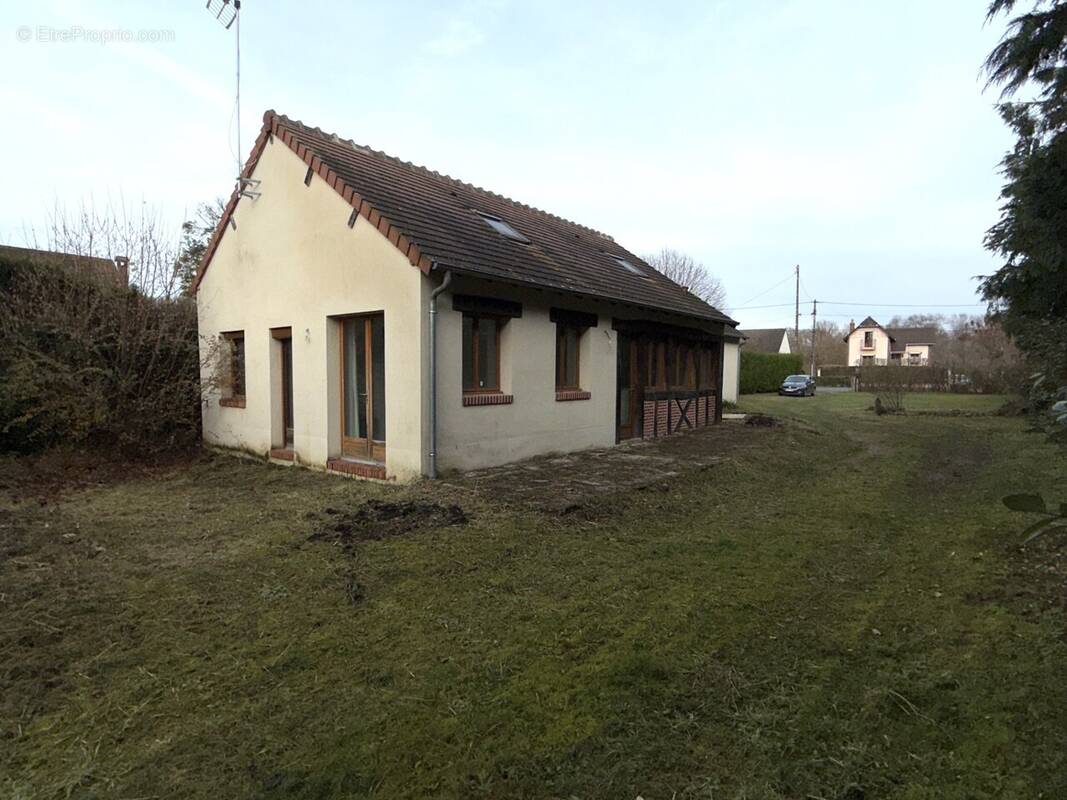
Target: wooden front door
<point>363,387</point>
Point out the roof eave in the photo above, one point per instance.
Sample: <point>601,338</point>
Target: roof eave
<point>439,265</point>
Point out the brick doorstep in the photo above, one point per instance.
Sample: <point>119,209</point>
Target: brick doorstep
<point>359,469</point>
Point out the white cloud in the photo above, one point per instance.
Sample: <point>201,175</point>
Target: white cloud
<point>459,36</point>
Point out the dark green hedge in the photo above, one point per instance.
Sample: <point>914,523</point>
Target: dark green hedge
<point>833,380</point>
<point>764,372</point>
<point>90,362</point>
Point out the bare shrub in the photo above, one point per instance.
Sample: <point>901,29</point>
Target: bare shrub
<point>890,399</point>
<point>88,359</point>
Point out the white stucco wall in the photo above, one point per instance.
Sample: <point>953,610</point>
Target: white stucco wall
<point>731,371</point>
<point>294,262</point>
<point>920,350</point>
<point>478,436</point>
<point>856,351</point>
<point>783,347</point>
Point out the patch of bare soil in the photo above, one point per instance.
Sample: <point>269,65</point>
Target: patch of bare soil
<point>378,519</point>
<point>762,421</point>
<point>374,520</point>
<point>45,477</point>
<point>579,484</point>
<point>950,464</point>
<point>1037,581</point>
<point>952,412</point>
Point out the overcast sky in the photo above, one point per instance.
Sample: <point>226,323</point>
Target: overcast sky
<point>850,137</point>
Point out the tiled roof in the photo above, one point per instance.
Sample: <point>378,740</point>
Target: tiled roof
<point>902,337</point>
<point>435,220</point>
<point>103,267</point>
<point>763,340</point>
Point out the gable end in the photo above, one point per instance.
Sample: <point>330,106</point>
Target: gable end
<point>360,206</point>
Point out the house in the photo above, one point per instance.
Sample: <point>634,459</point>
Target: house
<point>110,270</point>
<point>769,340</point>
<point>869,343</point>
<point>365,315</point>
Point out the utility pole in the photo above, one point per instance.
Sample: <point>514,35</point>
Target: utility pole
<point>796,329</point>
<point>814,307</point>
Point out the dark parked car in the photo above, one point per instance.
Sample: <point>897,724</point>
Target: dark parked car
<point>798,385</point>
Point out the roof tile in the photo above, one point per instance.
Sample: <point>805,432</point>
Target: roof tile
<point>437,216</point>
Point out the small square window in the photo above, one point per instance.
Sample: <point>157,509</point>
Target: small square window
<point>501,227</point>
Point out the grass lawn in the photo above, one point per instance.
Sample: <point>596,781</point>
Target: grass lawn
<point>837,609</point>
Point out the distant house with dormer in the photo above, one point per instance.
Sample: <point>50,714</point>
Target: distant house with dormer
<point>871,344</point>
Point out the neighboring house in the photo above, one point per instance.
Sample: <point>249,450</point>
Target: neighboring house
<point>379,319</point>
<point>871,344</point>
<point>111,270</point>
<point>769,340</point>
<point>731,364</point>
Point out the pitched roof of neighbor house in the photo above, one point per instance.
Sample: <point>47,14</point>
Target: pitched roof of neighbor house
<point>441,222</point>
<point>765,340</point>
<point>103,267</point>
<point>902,337</point>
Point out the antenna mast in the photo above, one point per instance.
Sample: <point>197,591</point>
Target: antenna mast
<point>237,19</point>
<point>228,13</point>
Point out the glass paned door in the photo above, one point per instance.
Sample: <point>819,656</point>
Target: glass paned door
<point>363,387</point>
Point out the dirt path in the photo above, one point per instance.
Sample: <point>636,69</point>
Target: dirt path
<point>564,483</point>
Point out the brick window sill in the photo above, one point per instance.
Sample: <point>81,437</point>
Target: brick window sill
<point>563,395</point>
<point>487,399</point>
<point>357,469</point>
<point>283,454</point>
<point>232,402</point>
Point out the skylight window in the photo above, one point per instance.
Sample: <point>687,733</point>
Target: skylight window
<point>622,262</point>
<point>501,227</point>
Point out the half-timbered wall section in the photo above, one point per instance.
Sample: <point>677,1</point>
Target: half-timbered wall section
<point>670,379</point>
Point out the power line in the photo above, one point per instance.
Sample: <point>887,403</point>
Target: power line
<point>749,308</point>
<point>761,294</point>
<point>866,305</point>
<point>745,307</point>
<point>902,305</point>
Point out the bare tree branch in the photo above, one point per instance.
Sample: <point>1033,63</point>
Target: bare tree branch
<point>688,272</point>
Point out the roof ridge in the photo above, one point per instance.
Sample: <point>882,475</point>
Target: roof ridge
<point>396,160</point>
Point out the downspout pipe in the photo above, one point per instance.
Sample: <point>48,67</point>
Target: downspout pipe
<point>432,470</point>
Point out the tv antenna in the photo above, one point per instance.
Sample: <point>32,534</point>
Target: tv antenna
<point>228,14</point>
